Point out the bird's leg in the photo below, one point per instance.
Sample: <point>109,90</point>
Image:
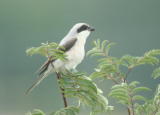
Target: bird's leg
<point>62,90</point>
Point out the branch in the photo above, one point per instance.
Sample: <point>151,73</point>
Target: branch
<point>113,79</point>
<point>62,89</point>
<point>132,106</point>
<point>130,110</point>
<point>126,76</point>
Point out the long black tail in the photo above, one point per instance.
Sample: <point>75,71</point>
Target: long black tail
<point>44,71</point>
<point>38,81</point>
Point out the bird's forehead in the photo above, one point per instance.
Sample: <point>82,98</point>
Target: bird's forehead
<point>80,24</point>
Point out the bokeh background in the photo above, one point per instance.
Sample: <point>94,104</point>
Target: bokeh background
<point>133,24</point>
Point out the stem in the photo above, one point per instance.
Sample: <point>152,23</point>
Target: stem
<point>132,106</point>
<point>113,79</point>
<point>129,70</point>
<point>129,111</point>
<point>58,77</point>
<point>62,91</point>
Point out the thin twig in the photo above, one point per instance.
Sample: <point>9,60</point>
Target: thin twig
<point>132,106</point>
<point>58,78</point>
<point>129,111</point>
<point>113,79</point>
<point>62,89</point>
<point>128,72</point>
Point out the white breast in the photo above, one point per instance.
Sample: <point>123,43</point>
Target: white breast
<point>74,56</point>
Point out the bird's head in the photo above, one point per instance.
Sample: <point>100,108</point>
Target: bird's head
<point>81,29</point>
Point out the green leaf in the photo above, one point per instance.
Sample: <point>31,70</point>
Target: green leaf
<point>128,61</point>
<point>108,47</point>
<point>36,112</point>
<point>138,97</point>
<point>97,75</point>
<point>148,60</point>
<point>122,85</point>
<point>71,110</point>
<point>133,84</point>
<point>156,99</point>
<point>100,48</point>
<point>154,52</point>
<point>47,50</point>
<point>156,73</point>
<point>104,43</point>
<point>139,89</point>
<point>91,52</point>
<point>120,93</point>
<point>82,87</point>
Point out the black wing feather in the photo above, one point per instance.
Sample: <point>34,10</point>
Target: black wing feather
<point>66,47</point>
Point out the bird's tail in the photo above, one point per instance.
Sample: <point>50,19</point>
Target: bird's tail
<point>38,81</point>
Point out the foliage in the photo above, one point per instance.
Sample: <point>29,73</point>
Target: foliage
<point>150,107</point>
<point>118,70</point>
<point>49,50</point>
<point>79,86</point>
<point>100,49</point>
<point>71,110</point>
<point>83,88</point>
<point>75,85</point>
<point>127,93</point>
<point>156,73</point>
<point>111,67</point>
<point>36,112</point>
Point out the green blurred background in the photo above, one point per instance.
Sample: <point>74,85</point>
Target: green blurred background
<point>133,24</point>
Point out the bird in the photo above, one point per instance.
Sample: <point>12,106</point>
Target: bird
<point>73,47</point>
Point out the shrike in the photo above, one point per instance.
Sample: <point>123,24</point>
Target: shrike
<point>74,44</point>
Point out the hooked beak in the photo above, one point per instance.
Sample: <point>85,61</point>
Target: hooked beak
<point>91,29</point>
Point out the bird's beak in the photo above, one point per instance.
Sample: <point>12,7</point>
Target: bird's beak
<point>91,29</point>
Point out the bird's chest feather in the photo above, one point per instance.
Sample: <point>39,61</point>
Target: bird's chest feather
<point>77,52</point>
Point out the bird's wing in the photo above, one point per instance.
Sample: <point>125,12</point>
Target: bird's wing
<point>66,46</point>
<point>43,71</point>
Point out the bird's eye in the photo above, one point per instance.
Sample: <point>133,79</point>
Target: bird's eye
<point>82,28</point>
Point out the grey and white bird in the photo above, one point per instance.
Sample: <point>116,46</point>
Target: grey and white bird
<point>74,48</point>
